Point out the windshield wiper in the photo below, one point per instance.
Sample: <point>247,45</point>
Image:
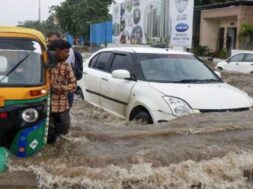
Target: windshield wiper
<point>196,81</point>
<point>20,62</point>
<point>210,80</point>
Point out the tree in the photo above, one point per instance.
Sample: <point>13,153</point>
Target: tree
<point>246,35</point>
<point>44,27</point>
<point>75,16</point>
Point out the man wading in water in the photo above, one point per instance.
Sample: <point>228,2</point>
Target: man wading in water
<point>62,82</point>
<point>53,36</point>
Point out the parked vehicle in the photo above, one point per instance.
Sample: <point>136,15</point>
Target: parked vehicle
<point>24,86</point>
<point>241,62</point>
<point>156,85</point>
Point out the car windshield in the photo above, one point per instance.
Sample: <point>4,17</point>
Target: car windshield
<point>20,66</point>
<point>174,68</point>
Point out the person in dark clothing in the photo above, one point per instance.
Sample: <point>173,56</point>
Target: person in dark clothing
<point>228,41</point>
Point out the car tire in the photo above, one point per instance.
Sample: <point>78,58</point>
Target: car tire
<point>79,93</point>
<point>143,118</point>
<point>220,68</point>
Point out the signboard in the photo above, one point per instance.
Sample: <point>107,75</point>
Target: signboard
<point>181,12</point>
<point>153,21</point>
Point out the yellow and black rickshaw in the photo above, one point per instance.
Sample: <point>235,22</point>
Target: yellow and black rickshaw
<point>24,91</point>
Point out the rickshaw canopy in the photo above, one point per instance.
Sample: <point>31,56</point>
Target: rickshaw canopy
<point>20,32</point>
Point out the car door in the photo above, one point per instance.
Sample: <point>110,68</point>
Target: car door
<point>234,63</point>
<point>116,92</point>
<point>247,65</point>
<point>98,65</point>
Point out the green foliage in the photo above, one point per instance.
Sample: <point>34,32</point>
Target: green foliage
<point>201,51</point>
<point>75,16</point>
<point>246,30</point>
<point>246,35</point>
<point>43,27</point>
<point>205,51</point>
<point>222,54</point>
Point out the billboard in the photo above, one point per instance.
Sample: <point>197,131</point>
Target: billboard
<point>116,22</point>
<point>152,21</point>
<point>128,22</point>
<point>181,12</point>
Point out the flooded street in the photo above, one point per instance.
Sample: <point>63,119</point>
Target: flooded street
<point>213,151</point>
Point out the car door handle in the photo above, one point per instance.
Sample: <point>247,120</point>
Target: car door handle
<point>84,72</point>
<point>105,79</point>
<point>237,64</point>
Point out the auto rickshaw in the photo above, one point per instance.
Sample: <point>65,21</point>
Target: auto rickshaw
<point>24,91</point>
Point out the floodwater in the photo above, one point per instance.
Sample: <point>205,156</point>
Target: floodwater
<point>208,151</point>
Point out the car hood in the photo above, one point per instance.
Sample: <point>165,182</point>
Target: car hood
<point>216,96</point>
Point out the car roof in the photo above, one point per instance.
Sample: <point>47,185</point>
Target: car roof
<point>149,50</point>
<point>246,52</point>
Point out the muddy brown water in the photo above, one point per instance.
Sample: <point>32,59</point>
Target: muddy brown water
<point>103,151</point>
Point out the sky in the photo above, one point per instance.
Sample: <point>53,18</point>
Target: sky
<point>13,11</point>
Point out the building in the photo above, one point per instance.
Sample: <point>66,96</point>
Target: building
<point>153,24</point>
<point>165,20</point>
<point>220,24</point>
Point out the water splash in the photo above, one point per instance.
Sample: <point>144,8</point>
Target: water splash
<point>206,151</point>
<point>226,172</point>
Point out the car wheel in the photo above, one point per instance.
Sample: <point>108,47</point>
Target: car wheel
<point>79,93</point>
<point>143,118</point>
<point>220,68</point>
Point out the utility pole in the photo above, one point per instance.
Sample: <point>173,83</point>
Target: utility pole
<point>39,12</point>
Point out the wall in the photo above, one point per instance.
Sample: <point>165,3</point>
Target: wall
<point>208,33</point>
<point>101,33</point>
<point>246,16</point>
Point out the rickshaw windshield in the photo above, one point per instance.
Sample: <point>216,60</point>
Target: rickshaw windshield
<point>20,63</point>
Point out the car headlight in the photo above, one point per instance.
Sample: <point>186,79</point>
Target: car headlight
<point>30,115</point>
<point>178,106</point>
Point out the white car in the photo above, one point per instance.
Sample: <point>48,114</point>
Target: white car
<point>156,85</point>
<point>242,62</point>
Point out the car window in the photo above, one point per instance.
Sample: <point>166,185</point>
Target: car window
<point>93,61</point>
<point>248,58</point>
<point>237,58</point>
<point>120,62</point>
<point>103,61</point>
<point>174,68</point>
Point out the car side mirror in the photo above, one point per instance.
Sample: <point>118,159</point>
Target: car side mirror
<point>3,64</point>
<point>228,60</point>
<point>52,59</point>
<point>218,74</point>
<point>121,74</point>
